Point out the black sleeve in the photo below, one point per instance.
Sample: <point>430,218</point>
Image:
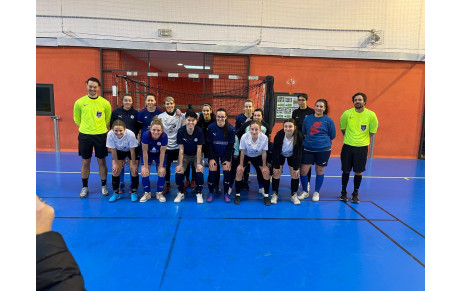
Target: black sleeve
<point>56,267</point>
<point>241,131</point>
<point>209,144</point>
<point>298,151</point>
<point>276,152</point>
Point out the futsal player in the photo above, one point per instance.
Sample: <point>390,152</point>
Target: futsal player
<point>154,142</point>
<point>299,115</point>
<point>123,144</point>
<point>129,116</point>
<point>220,136</point>
<point>287,144</point>
<point>319,131</point>
<point>190,139</point>
<point>253,146</point>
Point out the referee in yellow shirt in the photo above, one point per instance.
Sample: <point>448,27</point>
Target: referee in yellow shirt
<point>358,125</point>
<point>92,115</point>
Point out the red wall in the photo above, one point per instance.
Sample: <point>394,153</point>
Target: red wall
<point>67,68</point>
<point>395,92</point>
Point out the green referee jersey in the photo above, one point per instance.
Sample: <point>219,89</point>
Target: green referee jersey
<point>357,126</point>
<point>92,115</point>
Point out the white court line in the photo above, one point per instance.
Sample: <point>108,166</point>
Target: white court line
<point>373,177</point>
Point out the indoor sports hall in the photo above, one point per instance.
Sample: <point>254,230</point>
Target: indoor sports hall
<point>222,53</point>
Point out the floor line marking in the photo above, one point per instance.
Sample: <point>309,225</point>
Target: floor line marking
<point>253,175</point>
<point>225,218</point>
<point>171,247</point>
<point>389,237</point>
<point>408,226</point>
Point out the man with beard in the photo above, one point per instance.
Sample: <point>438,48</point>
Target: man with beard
<point>358,125</point>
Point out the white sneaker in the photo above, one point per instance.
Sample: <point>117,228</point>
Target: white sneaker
<point>199,198</point>
<point>303,195</point>
<point>161,197</point>
<point>146,197</point>
<point>295,199</point>
<point>230,191</point>
<point>180,196</point>
<point>104,190</point>
<point>274,198</point>
<point>261,191</point>
<point>315,197</point>
<point>84,192</point>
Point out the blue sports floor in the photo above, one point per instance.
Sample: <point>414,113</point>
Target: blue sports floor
<point>378,244</point>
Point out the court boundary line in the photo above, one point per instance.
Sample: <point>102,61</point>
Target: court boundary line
<point>385,234</point>
<point>171,247</point>
<point>252,175</point>
<point>405,224</point>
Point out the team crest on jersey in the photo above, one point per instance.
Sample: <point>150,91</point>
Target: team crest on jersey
<point>132,116</point>
<point>159,143</point>
<point>363,127</point>
<point>98,114</point>
<point>195,140</point>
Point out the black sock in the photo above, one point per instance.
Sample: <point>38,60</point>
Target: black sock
<point>134,183</point>
<point>357,182</point>
<point>115,183</point>
<point>309,175</point>
<point>345,178</point>
<point>275,184</point>
<point>85,182</point>
<point>104,182</point>
<point>294,185</point>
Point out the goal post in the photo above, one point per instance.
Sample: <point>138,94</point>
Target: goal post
<point>218,90</point>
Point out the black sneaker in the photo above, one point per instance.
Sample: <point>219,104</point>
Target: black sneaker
<point>354,197</point>
<point>267,201</point>
<point>343,196</point>
<point>237,200</point>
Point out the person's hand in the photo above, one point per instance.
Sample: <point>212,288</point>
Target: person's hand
<point>178,112</point>
<point>200,168</point>
<point>145,171</point>
<point>240,169</point>
<point>295,174</point>
<point>212,163</point>
<point>115,167</point>
<point>161,171</point>
<point>265,170</point>
<point>45,216</point>
<point>178,169</point>
<point>276,171</point>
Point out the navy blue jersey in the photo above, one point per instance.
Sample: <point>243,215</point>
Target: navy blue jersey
<point>145,118</point>
<point>129,117</point>
<point>219,145</point>
<point>239,120</point>
<point>154,144</point>
<point>190,142</point>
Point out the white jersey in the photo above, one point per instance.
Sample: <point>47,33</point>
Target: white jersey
<point>123,144</point>
<point>171,125</point>
<point>288,147</point>
<point>253,149</point>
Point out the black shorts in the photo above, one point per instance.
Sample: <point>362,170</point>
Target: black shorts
<point>315,158</point>
<point>255,161</point>
<point>290,161</point>
<point>171,155</point>
<point>353,158</point>
<point>123,155</point>
<point>86,142</point>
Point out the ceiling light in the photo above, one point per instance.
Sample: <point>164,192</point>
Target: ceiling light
<point>180,64</point>
<point>197,67</point>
